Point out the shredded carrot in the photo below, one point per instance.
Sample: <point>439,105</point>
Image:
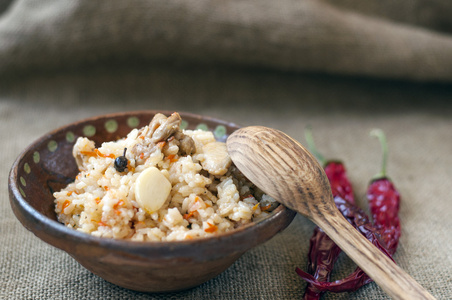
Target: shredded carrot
<point>189,215</point>
<point>142,155</point>
<point>66,204</point>
<point>69,193</point>
<point>211,228</point>
<point>129,167</point>
<point>97,200</point>
<point>117,205</point>
<point>255,206</point>
<point>142,137</point>
<point>188,237</point>
<point>172,158</point>
<point>118,212</point>
<point>264,208</point>
<point>100,223</point>
<point>96,152</point>
<point>88,153</point>
<point>106,188</point>
<point>104,155</point>
<point>197,204</point>
<point>161,144</point>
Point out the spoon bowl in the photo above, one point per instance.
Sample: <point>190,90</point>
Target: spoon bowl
<point>285,170</point>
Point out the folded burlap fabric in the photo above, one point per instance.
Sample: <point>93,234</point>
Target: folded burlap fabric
<point>390,39</point>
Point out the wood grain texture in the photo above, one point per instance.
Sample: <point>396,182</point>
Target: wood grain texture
<point>285,170</point>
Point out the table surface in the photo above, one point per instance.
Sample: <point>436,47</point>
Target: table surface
<point>417,119</point>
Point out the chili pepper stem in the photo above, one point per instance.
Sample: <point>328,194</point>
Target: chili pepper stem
<point>378,133</point>
<point>312,147</point>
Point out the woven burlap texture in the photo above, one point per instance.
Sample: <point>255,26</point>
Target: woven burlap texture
<point>342,112</point>
<point>392,39</point>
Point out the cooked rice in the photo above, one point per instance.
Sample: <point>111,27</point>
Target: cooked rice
<point>206,198</point>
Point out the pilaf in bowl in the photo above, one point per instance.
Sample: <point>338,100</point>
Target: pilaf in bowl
<point>147,200</point>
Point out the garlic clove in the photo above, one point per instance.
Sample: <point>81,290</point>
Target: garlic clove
<point>152,188</point>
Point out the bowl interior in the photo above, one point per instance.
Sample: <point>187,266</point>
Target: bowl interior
<point>47,165</point>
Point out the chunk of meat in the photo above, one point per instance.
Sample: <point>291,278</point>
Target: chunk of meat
<point>216,159</point>
<point>160,129</point>
<point>167,128</point>
<point>156,121</point>
<point>186,144</point>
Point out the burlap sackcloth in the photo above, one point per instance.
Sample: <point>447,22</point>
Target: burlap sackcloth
<point>391,39</point>
<point>250,63</point>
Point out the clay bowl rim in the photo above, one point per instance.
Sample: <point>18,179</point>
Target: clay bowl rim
<point>59,231</point>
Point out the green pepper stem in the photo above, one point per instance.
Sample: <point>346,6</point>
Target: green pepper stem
<point>378,133</point>
<point>311,145</point>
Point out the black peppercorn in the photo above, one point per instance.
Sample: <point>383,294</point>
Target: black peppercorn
<point>121,162</point>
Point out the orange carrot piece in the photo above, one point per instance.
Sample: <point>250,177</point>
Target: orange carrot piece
<point>264,208</point>
<point>211,228</point>
<point>66,204</point>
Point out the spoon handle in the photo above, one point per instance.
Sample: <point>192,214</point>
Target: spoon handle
<point>285,170</point>
<point>390,277</point>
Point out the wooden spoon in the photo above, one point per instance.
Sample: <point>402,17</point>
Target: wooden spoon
<point>286,171</point>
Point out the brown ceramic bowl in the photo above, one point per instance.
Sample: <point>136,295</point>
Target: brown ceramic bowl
<point>47,165</point>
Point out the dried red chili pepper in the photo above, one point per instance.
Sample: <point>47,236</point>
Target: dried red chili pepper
<point>384,201</point>
<point>358,218</point>
<point>323,252</point>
